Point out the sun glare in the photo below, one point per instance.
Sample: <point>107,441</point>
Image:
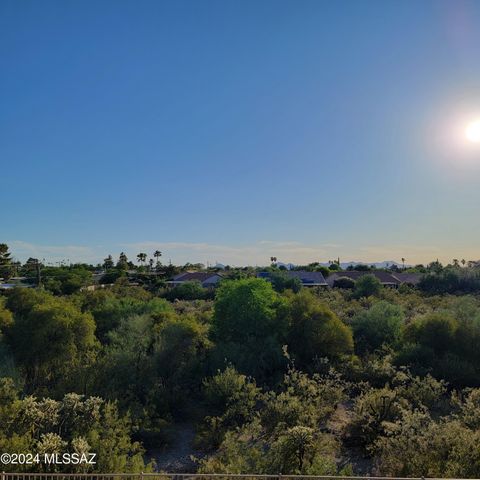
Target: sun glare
<point>472,132</point>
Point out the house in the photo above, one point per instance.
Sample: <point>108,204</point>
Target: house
<point>386,279</point>
<point>411,279</point>
<point>207,279</point>
<point>308,279</point>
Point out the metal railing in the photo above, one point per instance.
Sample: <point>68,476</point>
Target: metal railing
<point>193,476</point>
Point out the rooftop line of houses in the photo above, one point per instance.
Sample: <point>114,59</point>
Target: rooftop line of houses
<point>308,279</point>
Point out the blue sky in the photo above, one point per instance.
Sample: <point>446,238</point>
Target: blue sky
<point>231,131</point>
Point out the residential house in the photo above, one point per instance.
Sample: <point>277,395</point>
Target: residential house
<point>411,279</point>
<point>207,279</point>
<point>386,279</point>
<point>308,279</point>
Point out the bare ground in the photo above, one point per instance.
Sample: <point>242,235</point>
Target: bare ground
<point>176,457</point>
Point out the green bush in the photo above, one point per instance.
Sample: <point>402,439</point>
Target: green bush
<point>366,286</point>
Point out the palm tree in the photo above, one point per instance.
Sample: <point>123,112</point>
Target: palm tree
<point>157,254</point>
<point>141,257</point>
<point>403,263</point>
<point>273,259</point>
<point>463,261</point>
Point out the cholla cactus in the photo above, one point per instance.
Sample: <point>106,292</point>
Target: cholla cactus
<point>80,445</point>
<point>51,443</point>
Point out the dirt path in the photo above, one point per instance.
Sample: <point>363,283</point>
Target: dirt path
<point>176,457</point>
<point>353,455</point>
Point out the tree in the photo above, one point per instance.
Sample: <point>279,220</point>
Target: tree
<point>325,271</point>
<point>66,280</point>
<point>154,362</point>
<point>157,254</point>
<point>6,317</point>
<point>360,267</point>
<point>380,325</point>
<point>344,282</point>
<point>108,263</point>
<point>281,281</point>
<point>435,331</point>
<point>187,291</point>
<point>141,257</point>
<point>33,266</point>
<point>451,280</point>
<point>6,268</point>
<point>244,309</point>
<point>315,331</point>
<point>447,347</point>
<point>246,327</point>
<point>366,286</point>
<point>41,320</point>
<point>122,263</point>
<point>109,309</point>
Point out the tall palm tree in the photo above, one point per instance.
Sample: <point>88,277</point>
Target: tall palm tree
<point>403,263</point>
<point>157,254</point>
<point>141,257</point>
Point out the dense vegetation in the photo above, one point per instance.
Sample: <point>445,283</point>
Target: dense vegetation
<point>273,377</point>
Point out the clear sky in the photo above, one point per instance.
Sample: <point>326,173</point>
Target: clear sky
<point>231,131</point>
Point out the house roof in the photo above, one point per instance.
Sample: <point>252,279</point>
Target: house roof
<point>411,278</point>
<point>194,276</point>
<point>307,278</point>
<point>384,277</point>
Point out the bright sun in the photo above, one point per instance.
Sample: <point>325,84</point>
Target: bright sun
<point>472,132</point>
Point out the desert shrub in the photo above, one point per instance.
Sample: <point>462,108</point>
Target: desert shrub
<point>380,325</point>
<point>187,291</point>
